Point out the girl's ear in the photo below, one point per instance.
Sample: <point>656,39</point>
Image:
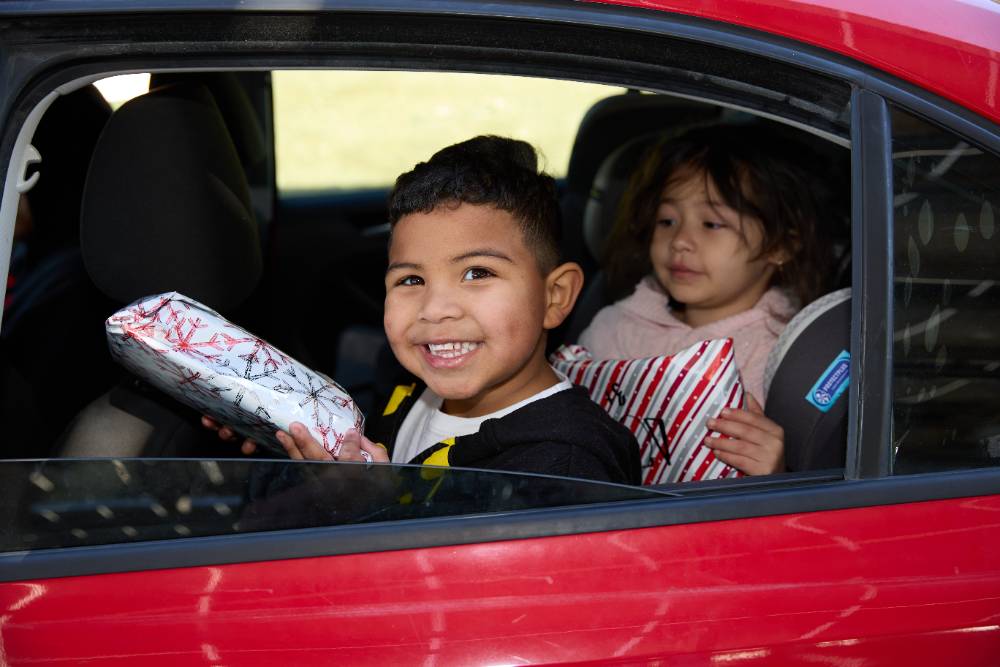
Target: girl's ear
<point>562,287</point>
<point>787,250</point>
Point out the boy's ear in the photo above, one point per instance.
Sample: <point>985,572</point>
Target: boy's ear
<point>562,287</point>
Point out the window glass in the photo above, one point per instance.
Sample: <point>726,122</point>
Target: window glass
<point>946,403</point>
<point>63,503</point>
<point>347,130</point>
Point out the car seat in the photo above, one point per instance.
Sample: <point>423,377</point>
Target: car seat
<point>806,382</point>
<point>166,207</point>
<point>608,124</point>
<point>815,436</point>
<point>49,293</point>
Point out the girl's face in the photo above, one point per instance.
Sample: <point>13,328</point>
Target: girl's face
<point>705,255</point>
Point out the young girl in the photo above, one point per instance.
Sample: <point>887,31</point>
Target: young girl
<point>718,236</point>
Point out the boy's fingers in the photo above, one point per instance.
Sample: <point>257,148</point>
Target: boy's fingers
<point>289,444</point>
<point>209,423</point>
<point>376,450</point>
<point>248,447</point>
<point>308,446</point>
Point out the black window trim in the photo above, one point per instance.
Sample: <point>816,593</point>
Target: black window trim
<point>869,428</point>
<point>872,89</point>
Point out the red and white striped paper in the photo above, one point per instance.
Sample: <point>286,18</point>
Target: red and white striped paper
<point>664,402</point>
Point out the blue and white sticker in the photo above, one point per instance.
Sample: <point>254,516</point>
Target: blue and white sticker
<point>832,383</point>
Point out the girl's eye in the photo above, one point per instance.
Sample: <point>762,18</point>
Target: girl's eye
<point>477,273</point>
<point>713,225</point>
<point>666,222</point>
<point>410,280</point>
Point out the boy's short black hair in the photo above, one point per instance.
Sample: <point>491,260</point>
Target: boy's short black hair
<point>487,171</point>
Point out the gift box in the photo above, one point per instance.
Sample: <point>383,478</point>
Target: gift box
<point>664,402</point>
<point>192,353</point>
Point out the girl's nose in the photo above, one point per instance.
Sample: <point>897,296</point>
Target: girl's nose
<point>682,238</point>
<point>439,304</point>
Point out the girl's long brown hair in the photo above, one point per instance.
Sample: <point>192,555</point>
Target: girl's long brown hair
<point>758,172</point>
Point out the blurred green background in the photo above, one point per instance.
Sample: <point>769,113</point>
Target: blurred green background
<point>348,129</point>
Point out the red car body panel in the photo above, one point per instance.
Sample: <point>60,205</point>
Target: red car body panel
<point>874,585</point>
<point>950,48</point>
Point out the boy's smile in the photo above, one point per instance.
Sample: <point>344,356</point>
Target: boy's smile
<point>465,307</point>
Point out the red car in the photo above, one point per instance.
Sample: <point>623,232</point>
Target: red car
<point>130,536</point>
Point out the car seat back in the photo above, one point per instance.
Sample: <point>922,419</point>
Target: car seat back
<point>608,124</point>
<point>166,207</point>
<point>806,383</point>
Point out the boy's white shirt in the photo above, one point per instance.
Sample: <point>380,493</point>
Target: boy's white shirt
<point>425,425</point>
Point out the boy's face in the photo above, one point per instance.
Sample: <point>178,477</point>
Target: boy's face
<point>465,307</point>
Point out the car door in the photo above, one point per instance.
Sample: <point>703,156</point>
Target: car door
<point>888,560</point>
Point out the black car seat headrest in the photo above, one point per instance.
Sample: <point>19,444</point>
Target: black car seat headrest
<point>234,105</point>
<point>806,382</point>
<point>599,216</point>
<point>608,188</point>
<point>166,204</point>
<point>608,124</point>
<point>65,138</point>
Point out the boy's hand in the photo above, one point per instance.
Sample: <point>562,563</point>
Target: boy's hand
<point>300,444</point>
<point>756,445</point>
<point>228,434</point>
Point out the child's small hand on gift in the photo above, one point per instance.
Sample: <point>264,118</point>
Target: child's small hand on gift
<point>755,446</point>
<point>300,444</point>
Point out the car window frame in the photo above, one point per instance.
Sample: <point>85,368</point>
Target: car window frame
<point>864,481</point>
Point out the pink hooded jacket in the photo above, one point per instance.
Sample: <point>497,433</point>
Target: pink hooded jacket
<point>642,325</point>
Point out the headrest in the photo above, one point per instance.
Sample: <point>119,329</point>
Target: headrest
<point>65,138</point>
<point>612,121</point>
<point>166,205</point>
<point>606,192</point>
<point>806,382</point>
<point>234,105</point>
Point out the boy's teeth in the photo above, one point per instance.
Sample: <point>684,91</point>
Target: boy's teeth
<point>454,349</point>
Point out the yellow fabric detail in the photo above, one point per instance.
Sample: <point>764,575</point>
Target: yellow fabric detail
<point>398,394</point>
<point>406,499</point>
<point>438,458</point>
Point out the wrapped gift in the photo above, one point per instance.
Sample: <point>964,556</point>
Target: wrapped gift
<point>665,402</point>
<point>192,353</point>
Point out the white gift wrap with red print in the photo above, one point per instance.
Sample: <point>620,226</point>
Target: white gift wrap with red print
<point>665,401</point>
<point>192,353</point>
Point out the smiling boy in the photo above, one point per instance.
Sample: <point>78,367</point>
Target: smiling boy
<point>473,285</point>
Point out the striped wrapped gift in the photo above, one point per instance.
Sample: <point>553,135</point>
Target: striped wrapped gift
<point>664,401</point>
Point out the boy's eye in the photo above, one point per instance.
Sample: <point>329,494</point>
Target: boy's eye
<point>410,280</point>
<point>477,273</point>
<point>666,222</point>
<point>713,225</point>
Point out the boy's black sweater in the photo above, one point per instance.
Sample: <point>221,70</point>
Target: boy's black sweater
<point>565,434</point>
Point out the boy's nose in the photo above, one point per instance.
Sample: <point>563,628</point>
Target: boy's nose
<point>439,304</point>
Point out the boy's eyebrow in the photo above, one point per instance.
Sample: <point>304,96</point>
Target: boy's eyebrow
<point>481,252</point>
<point>395,266</point>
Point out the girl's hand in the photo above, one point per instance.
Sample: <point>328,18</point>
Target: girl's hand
<point>228,434</point>
<point>300,444</point>
<point>756,445</point>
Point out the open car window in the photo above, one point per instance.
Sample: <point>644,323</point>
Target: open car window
<point>69,503</point>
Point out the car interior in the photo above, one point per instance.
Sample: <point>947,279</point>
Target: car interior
<point>175,189</point>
